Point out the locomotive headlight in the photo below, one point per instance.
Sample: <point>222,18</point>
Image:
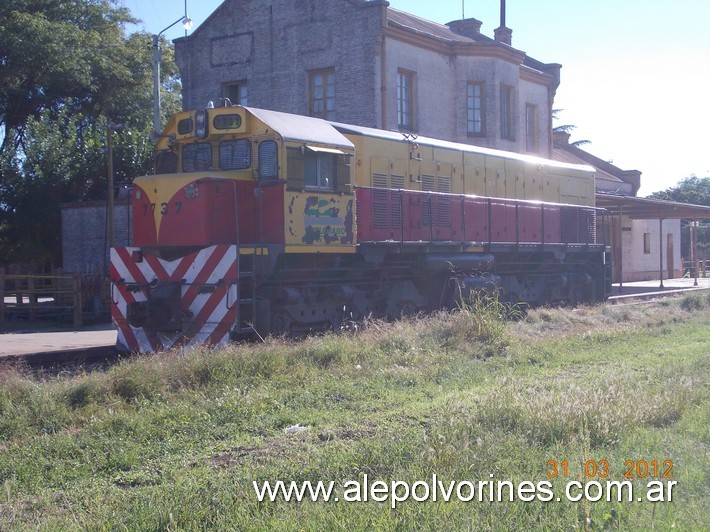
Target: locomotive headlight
<point>201,123</point>
<point>191,191</point>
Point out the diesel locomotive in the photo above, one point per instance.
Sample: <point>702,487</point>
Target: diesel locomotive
<point>258,221</point>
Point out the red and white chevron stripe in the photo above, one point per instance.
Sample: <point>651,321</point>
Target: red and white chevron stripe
<point>208,301</point>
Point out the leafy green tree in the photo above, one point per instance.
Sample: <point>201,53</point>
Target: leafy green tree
<point>693,189</point>
<point>53,51</point>
<point>67,69</point>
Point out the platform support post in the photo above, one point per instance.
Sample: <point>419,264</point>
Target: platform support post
<point>2,299</point>
<point>694,247</point>
<point>660,249</point>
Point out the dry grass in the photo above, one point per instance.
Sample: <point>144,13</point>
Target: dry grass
<point>566,411</point>
<point>173,441</point>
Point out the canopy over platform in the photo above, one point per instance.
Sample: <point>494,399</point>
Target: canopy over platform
<point>650,209</point>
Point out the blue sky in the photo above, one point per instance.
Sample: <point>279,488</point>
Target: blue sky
<point>635,73</point>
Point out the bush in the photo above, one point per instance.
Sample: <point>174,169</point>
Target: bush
<point>695,301</point>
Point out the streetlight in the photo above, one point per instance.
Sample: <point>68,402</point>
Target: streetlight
<point>187,24</point>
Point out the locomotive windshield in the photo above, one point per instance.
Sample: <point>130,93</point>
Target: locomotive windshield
<point>196,157</point>
<point>166,162</point>
<point>235,154</point>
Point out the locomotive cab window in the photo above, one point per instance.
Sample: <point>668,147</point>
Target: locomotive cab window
<point>268,160</point>
<point>196,157</point>
<point>166,162</point>
<point>320,169</point>
<point>315,168</point>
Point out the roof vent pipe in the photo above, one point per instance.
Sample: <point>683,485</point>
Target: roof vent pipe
<point>503,34</point>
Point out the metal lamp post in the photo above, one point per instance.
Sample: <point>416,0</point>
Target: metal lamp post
<point>110,128</point>
<point>187,24</point>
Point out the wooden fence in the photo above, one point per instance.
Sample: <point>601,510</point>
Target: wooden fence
<point>703,268</point>
<point>56,298</point>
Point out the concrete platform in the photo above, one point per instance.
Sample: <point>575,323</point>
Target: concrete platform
<point>44,344</point>
<point>653,288</point>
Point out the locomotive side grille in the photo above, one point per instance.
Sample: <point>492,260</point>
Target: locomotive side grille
<point>443,215</point>
<point>379,180</point>
<point>570,224</point>
<point>443,212</point>
<point>428,183</point>
<point>380,199</point>
<point>397,181</point>
<point>579,225</point>
<point>590,216</point>
<point>444,184</point>
<point>427,205</point>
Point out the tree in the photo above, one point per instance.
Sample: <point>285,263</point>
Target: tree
<point>67,69</point>
<point>567,128</point>
<point>693,189</point>
<point>53,51</point>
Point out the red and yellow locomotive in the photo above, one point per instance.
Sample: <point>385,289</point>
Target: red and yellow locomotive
<point>257,220</point>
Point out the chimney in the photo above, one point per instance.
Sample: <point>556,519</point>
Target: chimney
<point>468,27</point>
<point>560,139</point>
<point>503,34</point>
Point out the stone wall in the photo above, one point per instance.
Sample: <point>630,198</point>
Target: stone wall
<point>85,235</point>
<point>273,46</point>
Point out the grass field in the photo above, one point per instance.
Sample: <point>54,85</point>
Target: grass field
<point>176,441</point>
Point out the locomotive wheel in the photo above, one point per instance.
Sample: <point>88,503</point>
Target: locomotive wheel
<point>406,308</point>
<point>281,322</point>
<point>576,296</point>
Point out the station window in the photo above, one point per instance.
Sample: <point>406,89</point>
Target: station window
<point>506,113</point>
<point>647,243</point>
<point>235,154</point>
<point>238,93</point>
<point>474,109</point>
<point>531,137</point>
<point>405,100</point>
<point>196,157</point>
<point>322,94</point>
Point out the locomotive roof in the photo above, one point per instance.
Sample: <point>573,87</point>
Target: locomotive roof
<point>302,128</point>
<point>438,143</point>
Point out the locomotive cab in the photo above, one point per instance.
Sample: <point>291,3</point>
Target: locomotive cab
<point>234,189</point>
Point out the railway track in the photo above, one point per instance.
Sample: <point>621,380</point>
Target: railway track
<point>64,359</point>
<point>97,357</point>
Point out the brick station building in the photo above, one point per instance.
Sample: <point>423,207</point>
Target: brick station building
<point>365,63</point>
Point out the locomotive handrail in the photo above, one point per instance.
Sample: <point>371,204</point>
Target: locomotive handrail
<point>495,198</point>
